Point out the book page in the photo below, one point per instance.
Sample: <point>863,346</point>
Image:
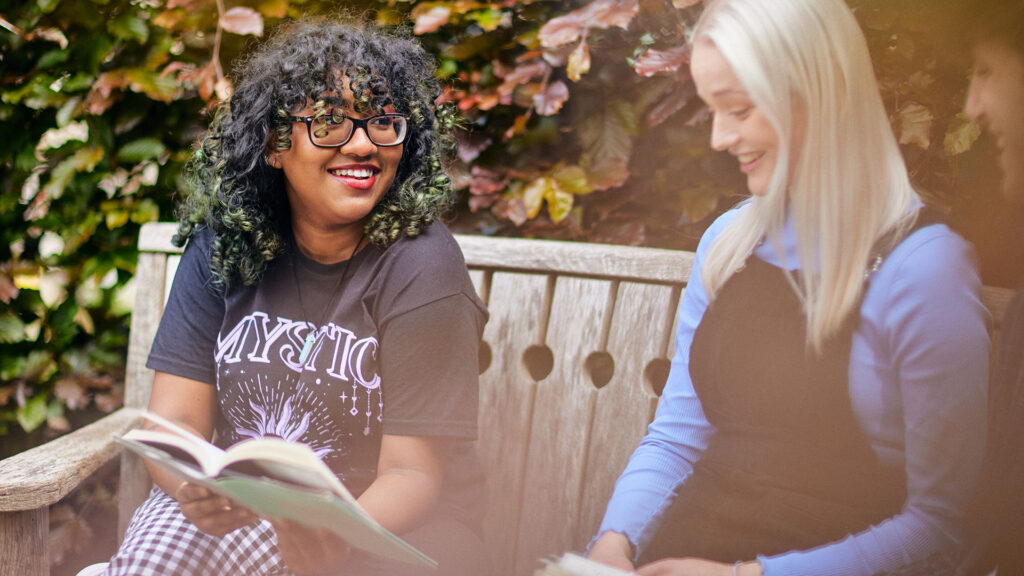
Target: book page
<point>570,564</point>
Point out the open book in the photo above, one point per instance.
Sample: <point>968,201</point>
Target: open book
<point>570,564</point>
<point>274,478</point>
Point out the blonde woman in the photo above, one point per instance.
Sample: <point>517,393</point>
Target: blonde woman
<point>825,412</point>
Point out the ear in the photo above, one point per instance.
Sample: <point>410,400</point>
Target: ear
<point>273,159</point>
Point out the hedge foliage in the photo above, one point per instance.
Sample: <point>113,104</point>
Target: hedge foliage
<point>582,124</point>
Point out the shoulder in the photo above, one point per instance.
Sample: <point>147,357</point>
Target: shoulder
<point>717,227</point>
<point>932,253</point>
<point>433,249</point>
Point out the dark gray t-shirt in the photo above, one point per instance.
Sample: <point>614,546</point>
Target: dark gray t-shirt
<point>395,353</point>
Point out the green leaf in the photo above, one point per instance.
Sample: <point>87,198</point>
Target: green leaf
<point>47,6</point>
<point>145,211</point>
<point>572,179</point>
<point>142,149</point>
<point>52,58</point>
<point>559,203</point>
<point>129,26</point>
<point>33,414</point>
<point>12,329</point>
<point>488,19</point>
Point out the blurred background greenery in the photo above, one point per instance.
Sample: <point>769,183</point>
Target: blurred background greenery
<point>582,124</point>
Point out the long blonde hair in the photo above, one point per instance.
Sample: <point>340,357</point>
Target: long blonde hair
<point>848,184</point>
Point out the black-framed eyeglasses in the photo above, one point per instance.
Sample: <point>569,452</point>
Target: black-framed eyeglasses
<point>335,130</point>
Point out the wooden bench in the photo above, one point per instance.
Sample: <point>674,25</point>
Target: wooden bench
<point>577,346</point>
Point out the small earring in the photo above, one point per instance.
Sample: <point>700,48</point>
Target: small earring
<point>271,160</point>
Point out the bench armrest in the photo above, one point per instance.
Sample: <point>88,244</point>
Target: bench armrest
<point>45,474</point>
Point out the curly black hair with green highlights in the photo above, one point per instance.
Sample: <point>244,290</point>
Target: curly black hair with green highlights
<point>236,194</point>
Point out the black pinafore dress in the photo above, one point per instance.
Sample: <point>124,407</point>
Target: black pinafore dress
<point>789,466</point>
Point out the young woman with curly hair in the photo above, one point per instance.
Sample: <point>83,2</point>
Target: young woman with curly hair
<point>307,305</point>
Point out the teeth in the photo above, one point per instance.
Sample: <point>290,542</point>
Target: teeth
<point>361,173</point>
<point>747,158</point>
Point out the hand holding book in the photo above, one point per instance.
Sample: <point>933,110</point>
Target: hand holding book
<point>275,479</point>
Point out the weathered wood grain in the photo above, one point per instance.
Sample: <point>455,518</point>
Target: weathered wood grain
<point>562,413</point>
<point>43,475</point>
<point>578,259</point>
<point>23,539</point>
<point>626,404</point>
<point>518,314</point>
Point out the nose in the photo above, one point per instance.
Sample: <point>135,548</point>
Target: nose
<point>973,105</point>
<point>359,144</point>
<point>723,136</point>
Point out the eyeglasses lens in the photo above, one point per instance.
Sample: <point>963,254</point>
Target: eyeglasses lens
<point>383,130</point>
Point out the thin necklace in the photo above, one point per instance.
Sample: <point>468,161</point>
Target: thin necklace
<point>311,337</point>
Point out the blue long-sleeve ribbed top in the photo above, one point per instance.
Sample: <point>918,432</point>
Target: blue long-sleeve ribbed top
<point>918,381</point>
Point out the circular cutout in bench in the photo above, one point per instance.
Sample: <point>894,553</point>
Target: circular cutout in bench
<point>539,361</point>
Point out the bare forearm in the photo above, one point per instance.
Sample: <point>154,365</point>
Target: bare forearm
<point>400,500</point>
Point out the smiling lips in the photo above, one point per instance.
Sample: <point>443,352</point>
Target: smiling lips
<point>749,160</point>
<point>360,177</point>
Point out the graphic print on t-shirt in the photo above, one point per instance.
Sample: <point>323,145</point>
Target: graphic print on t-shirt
<point>327,402</point>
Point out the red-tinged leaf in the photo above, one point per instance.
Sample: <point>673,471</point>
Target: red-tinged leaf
<point>533,196</point>
<point>471,144</point>
<point>107,403</point>
<point>608,13</point>
<point>273,8</point>
<point>522,74</point>
<point>171,4</point>
<point>673,101</point>
<point>684,3</point>
<point>99,98</point>
<point>8,291</point>
<point>173,68</point>
<point>655,61</point>
<point>511,209</point>
<point>205,79</point>
<point>579,61</point>
<point>561,31</point>
<point>430,19</point>
<point>598,14</point>
<point>242,20</point>
<point>477,203</point>
<point>550,101</point>
<point>486,182</point>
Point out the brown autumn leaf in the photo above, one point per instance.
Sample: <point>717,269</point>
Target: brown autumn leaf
<point>172,4</point>
<point>520,75</point>
<point>430,17</point>
<point>8,291</point>
<point>99,98</point>
<point>654,61</point>
<point>550,101</point>
<point>671,102</point>
<point>242,20</point>
<point>71,393</point>
<point>486,181</point>
<point>598,14</point>
<point>960,135</point>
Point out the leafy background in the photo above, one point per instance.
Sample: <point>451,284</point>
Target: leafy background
<point>582,124</point>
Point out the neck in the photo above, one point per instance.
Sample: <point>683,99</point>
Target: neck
<point>328,246</point>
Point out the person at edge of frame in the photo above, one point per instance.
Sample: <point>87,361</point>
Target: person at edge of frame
<point>994,32</point>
